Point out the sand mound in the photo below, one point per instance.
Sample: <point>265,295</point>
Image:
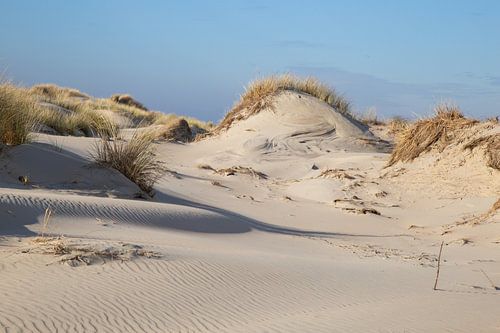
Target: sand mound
<point>179,131</point>
<point>458,156</point>
<point>43,166</point>
<point>298,124</point>
<point>127,100</point>
<point>259,96</point>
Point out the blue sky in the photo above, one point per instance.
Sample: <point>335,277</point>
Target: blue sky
<point>194,57</point>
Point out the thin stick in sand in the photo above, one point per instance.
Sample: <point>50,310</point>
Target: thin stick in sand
<point>439,265</point>
<point>489,280</point>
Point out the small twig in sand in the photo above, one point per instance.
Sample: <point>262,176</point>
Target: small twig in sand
<point>439,265</point>
<point>489,280</point>
<point>46,219</point>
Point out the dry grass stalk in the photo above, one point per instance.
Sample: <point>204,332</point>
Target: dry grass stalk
<point>427,133</point>
<point>438,266</point>
<point>259,95</point>
<point>369,117</point>
<point>18,112</point>
<point>482,217</point>
<point>135,159</point>
<point>46,219</point>
<point>491,143</point>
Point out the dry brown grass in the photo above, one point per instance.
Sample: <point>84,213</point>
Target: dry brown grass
<point>259,95</point>
<point>397,125</point>
<point>126,99</point>
<point>482,217</point>
<point>18,113</point>
<point>74,252</point>
<point>491,144</point>
<point>235,170</point>
<point>335,173</point>
<point>437,131</point>
<point>52,91</point>
<point>135,159</point>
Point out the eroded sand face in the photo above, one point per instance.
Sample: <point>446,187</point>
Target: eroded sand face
<point>327,241</point>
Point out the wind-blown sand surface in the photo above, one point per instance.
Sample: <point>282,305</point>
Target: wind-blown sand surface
<point>287,222</point>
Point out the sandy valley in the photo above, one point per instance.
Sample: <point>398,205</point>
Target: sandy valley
<point>289,219</point>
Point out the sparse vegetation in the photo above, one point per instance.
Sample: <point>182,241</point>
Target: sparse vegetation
<point>426,133</point>
<point>258,96</point>
<point>135,159</point>
<point>369,117</point>
<point>235,170</point>
<point>74,252</point>
<point>18,112</point>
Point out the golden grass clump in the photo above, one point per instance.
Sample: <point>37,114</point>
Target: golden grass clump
<point>126,99</point>
<point>426,133</point>
<point>397,125</point>
<point>52,91</point>
<point>491,143</point>
<point>258,96</point>
<point>135,159</point>
<point>18,112</point>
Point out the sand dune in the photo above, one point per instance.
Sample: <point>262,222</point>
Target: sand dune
<point>288,221</point>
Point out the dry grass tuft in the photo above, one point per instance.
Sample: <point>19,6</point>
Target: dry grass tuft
<point>135,159</point>
<point>127,100</point>
<point>426,133</point>
<point>397,125</point>
<point>53,91</point>
<point>18,112</point>
<point>491,143</point>
<point>259,95</point>
<point>75,253</point>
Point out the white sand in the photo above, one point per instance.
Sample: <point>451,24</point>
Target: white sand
<point>290,253</point>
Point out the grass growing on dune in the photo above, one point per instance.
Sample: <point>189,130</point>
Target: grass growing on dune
<point>123,104</point>
<point>18,112</point>
<point>491,144</point>
<point>425,133</point>
<point>53,91</point>
<point>135,158</point>
<point>258,96</point>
